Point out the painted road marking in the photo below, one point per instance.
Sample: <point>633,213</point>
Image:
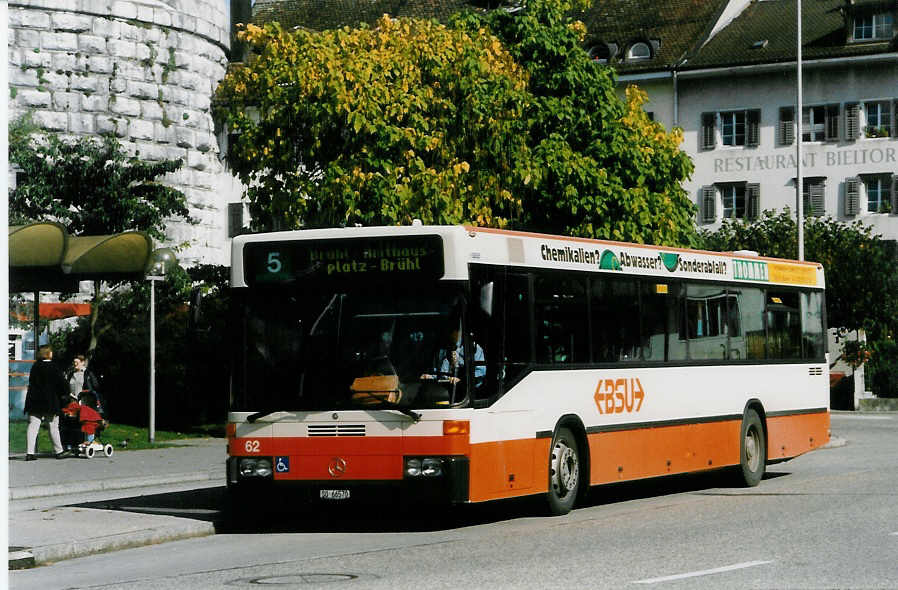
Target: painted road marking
<point>716,570</point>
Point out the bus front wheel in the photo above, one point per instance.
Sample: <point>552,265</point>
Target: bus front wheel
<point>564,472</point>
<point>752,450</point>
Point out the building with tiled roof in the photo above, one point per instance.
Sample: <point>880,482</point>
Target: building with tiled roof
<point>725,71</point>
<point>733,91</point>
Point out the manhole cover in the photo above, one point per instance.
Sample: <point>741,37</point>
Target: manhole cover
<point>296,579</point>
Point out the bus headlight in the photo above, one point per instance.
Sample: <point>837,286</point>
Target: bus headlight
<point>254,467</point>
<point>431,467</point>
<point>423,466</point>
<point>413,467</point>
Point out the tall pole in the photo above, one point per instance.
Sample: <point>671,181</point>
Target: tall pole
<point>799,113</point>
<point>155,272</point>
<point>152,428</point>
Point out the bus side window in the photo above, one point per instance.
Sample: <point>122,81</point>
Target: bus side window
<point>616,328</point>
<point>654,300</point>
<point>783,325</point>
<point>516,357</point>
<point>561,319</point>
<point>677,345</point>
<point>751,316</point>
<point>812,334</point>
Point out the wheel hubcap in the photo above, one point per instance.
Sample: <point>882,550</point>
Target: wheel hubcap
<point>751,449</point>
<point>565,469</point>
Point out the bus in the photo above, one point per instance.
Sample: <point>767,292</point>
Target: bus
<point>458,365</point>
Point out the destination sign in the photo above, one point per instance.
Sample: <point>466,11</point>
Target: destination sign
<point>286,262</point>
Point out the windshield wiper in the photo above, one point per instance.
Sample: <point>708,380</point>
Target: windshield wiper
<point>410,413</point>
<point>253,417</point>
<point>385,401</point>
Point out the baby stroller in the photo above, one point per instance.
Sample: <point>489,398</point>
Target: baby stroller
<point>92,425</point>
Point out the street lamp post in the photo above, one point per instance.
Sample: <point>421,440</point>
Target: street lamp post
<point>799,112</point>
<point>161,261</point>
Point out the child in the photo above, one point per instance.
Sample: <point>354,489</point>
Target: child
<point>87,415</point>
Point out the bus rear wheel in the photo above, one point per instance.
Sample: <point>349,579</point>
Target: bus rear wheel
<point>564,472</point>
<point>752,450</point>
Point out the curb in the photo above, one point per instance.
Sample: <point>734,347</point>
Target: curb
<point>20,558</point>
<point>185,529</point>
<point>43,491</point>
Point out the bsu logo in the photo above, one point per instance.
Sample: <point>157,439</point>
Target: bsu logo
<point>615,396</point>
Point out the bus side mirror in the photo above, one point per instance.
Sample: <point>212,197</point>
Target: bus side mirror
<point>486,298</point>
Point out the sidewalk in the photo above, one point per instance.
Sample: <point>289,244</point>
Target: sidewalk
<point>66,530</point>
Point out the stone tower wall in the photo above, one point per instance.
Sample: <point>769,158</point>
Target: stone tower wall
<point>144,70</point>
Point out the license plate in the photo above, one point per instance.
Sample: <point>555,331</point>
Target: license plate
<point>334,494</point>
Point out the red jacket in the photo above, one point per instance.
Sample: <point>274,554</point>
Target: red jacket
<point>90,419</point>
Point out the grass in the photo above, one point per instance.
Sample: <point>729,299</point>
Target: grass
<point>115,434</point>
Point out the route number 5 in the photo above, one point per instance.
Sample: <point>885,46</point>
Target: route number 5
<point>251,446</point>
<point>274,262</point>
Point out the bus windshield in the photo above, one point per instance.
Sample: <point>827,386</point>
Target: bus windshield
<point>381,347</point>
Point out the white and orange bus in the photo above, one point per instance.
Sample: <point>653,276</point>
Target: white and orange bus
<point>589,362</point>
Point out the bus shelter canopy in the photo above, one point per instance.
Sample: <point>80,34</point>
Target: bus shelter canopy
<point>43,257</point>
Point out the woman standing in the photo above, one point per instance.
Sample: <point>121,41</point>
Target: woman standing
<point>46,387</point>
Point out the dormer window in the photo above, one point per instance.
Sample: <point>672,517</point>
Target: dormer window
<point>600,53</point>
<point>639,50</point>
<point>873,26</point>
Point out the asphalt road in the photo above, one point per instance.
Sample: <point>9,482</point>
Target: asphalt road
<point>828,519</point>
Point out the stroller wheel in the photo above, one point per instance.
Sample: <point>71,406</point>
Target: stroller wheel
<point>108,450</point>
<point>89,451</point>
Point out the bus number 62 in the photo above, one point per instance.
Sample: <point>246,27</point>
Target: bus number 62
<point>251,446</point>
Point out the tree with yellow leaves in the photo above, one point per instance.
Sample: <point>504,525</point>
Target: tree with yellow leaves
<point>408,119</point>
<point>497,119</point>
<point>598,166</point>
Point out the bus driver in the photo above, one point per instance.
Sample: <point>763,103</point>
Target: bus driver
<point>451,360</point>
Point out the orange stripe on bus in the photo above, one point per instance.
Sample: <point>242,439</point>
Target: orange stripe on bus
<point>640,453</point>
<point>506,469</point>
<point>790,436</point>
<point>510,468</point>
<point>651,452</point>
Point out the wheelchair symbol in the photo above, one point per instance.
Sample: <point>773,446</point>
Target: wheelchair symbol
<point>282,464</point>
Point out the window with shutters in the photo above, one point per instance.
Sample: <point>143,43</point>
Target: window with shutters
<point>820,123</point>
<point>895,118</point>
<point>737,128</point>
<point>852,196</point>
<point>813,195</point>
<point>708,131</point>
<point>832,123</point>
<point>812,123</point>
<point>753,200</point>
<point>709,204</point>
<point>852,121</point>
<point>732,196</point>
<point>787,125</point>
<point>894,194</point>
<point>879,119</point>
<point>879,192</point>
<point>732,128</point>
